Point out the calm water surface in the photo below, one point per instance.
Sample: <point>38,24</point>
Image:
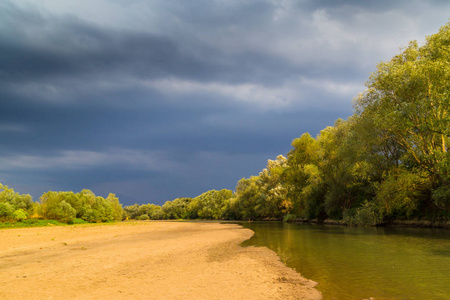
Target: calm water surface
<point>358,263</point>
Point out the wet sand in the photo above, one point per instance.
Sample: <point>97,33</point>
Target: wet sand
<point>143,260</point>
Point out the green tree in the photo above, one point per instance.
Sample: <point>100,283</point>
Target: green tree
<point>403,193</point>
<point>176,209</point>
<point>6,210</point>
<point>117,210</point>
<point>132,211</point>
<point>65,212</point>
<point>54,208</point>
<point>16,201</point>
<point>408,99</point>
<point>250,199</point>
<point>209,205</point>
<point>86,199</point>
<point>304,179</point>
<point>104,210</point>
<point>20,215</point>
<point>231,210</point>
<point>72,199</point>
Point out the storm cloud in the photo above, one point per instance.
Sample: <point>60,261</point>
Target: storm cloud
<point>154,100</point>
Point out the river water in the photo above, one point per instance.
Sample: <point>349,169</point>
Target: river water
<point>358,263</point>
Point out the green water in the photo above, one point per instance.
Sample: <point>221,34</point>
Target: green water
<point>358,263</point>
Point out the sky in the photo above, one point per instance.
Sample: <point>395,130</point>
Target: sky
<point>155,100</point>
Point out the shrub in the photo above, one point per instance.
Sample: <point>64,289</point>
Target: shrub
<point>6,210</point>
<point>368,214</point>
<point>144,217</point>
<point>20,215</point>
<point>289,218</point>
<point>66,212</point>
<point>401,193</point>
<point>91,216</point>
<point>30,221</point>
<point>441,197</point>
<point>77,221</point>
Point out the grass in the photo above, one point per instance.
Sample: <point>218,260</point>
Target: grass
<point>37,223</point>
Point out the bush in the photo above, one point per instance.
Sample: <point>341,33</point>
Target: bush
<point>6,210</point>
<point>77,221</point>
<point>289,218</point>
<point>19,215</point>
<point>402,192</point>
<point>158,215</point>
<point>30,221</point>
<point>368,214</point>
<point>91,216</point>
<point>441,197</point>
<point>144,217</point>
<point>66,212</point>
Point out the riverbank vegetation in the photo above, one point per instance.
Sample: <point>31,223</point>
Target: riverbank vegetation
<point>389,161</point>
<point>18,210</point>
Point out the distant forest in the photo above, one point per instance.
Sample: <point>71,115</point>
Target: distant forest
<point>388,161</point>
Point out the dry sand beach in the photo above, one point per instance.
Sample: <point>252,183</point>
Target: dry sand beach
<point>143,260</point>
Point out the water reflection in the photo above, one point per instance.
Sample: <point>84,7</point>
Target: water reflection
<point>357,263</point>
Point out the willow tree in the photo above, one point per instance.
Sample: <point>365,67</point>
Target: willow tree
<point>408,100</point>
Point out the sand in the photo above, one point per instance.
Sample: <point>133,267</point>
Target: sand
<point>143,260</point>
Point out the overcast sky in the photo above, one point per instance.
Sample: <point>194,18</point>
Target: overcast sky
<point>154,100</point>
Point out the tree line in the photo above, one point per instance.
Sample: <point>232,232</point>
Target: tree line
<point>65,207</point>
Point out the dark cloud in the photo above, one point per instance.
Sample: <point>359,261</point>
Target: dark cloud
<point>45,48</point>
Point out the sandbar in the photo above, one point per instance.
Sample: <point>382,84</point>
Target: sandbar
<point>143,260</point>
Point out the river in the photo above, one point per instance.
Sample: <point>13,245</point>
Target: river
<point>358,263</point>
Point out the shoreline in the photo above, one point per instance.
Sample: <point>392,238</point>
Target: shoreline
<point>394,223</point>
<point>160,260</point>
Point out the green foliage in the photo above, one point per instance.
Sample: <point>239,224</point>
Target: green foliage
<point>176,209</point>
<point>232,211</point>
<point>401,193</point>
<point>6,210</point>
<point>144,217</point>
<point>132,211</point>
<point>266,196</point>
<point>20,215</point>
<point>251,202</point>
<point>91,216</point>
<point>104,210</point>
<point>209,205</point>
<point>408,100</point>
<point>14,206</point>
<point>55,208</point>
<point>30,223</point>
<point>77,221</point>
<point>136,211</point>
<point>66,206</point>
<point>368,214</point>
<point>441,198</point>
<point>289,218</point>
<point>116,207</point>
<point>65,212</point>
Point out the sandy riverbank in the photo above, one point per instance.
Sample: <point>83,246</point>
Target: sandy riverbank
<point>143,260</point>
